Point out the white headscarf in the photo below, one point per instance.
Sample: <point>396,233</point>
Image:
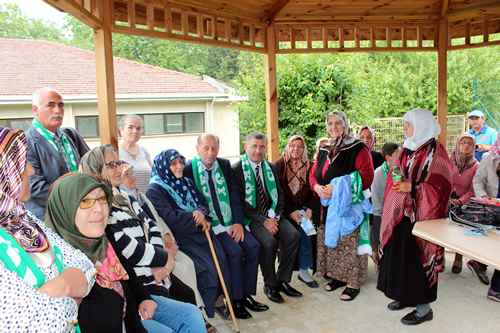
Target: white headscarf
<point>425,128</point>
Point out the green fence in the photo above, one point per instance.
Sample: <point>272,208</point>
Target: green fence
<point>487,99</point>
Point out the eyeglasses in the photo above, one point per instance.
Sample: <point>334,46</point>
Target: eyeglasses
<point>89,203</point>
<point>466,143</point>
<point>114,164</point>
<point>293,145</point>
<point>128,174</point>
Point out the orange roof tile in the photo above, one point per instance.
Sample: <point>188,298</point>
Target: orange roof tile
<point>27,65</point>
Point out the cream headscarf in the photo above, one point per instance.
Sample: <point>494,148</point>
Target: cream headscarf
<point>425,128</point>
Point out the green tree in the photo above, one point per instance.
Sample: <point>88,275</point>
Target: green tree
<point>13,24</point>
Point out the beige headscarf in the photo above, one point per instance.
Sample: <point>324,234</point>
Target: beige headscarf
<point>464,161</point>
<point>296,170</point>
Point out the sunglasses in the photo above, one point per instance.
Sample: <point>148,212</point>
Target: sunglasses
<point>89,203</point>
<point>114,164</point>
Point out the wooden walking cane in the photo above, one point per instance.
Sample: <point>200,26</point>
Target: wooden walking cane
<point>221,280</point>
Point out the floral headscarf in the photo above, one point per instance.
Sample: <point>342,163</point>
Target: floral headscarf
<point>296,170</point>
<point>374,138</point>
<point>181,190</point>
<point>13,216</point>
<point>346,140</point>
<point>464,161</point>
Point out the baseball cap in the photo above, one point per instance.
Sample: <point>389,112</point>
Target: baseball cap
<point>476,113</point>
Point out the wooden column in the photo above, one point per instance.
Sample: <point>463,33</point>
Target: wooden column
<point>271,95</point>
<point>106,102</point>
<point>442,78</point>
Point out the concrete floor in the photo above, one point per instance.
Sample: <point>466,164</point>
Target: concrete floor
<point>461,306</point>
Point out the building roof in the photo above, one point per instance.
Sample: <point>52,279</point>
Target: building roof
<point>28,65</point>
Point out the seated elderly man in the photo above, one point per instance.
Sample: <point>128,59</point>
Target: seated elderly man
<point>214,178</point>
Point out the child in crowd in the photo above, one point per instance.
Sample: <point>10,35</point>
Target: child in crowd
<point>389,150</point>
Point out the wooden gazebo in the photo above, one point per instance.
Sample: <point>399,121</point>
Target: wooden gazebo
<point>287,26</point>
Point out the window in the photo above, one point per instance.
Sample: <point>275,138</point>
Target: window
<point>154,124</point>
<point>18,124</point>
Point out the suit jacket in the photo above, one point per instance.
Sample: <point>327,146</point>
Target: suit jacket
<point>48,166</point>
<point>254,213</point>
<point>225,165</point>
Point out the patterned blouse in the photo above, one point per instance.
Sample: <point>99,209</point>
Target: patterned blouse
<point>141,163</point>
<point>24,309</point>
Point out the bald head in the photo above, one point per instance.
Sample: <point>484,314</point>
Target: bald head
<point>208,149</point>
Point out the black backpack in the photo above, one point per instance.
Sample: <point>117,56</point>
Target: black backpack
<point>477,212</point>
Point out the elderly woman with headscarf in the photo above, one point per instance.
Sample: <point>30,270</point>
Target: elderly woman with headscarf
<point>185,210</point>
<point>139,241</point>
<point>342,155</point>
<point>367,135</point>
<point>184,266</point>
<point>42,276</point>
<point>408,265</point>
<point>464,166</point>
<point>293,169</point>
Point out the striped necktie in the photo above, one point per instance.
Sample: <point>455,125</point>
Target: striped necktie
<point>260,188</point>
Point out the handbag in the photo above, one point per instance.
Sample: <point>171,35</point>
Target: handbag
<point>477,212</point>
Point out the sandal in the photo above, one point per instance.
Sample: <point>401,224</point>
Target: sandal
<point>352,293</point>
<point>334,284</point>
<point>210,328</point>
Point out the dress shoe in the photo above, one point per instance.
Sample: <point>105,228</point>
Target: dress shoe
<point>253,305</point>
<point>395,306</point>
<point>288,290</point>
<point>414,318</point>
<point>223,312</point>
<point>240,312</point>
<point>310,284</point>
<point>273,294</point>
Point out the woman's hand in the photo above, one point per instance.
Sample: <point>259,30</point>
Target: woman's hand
<point>198,217</point>
<point>456,202</point>
<point>160,273</point>
<point>170,244</point>
<point>324,192</point>
<point>401,187</point>
<point>309,213</point>
<point>296,217</point>
<point>147,309</point>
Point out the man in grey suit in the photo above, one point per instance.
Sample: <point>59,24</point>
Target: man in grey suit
<point>50,152</point>
<point>263,201</point>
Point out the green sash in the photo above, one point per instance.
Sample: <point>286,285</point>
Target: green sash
<point>250,188</point>
<point>385,168</point>
<point>222,192</point>
<point>364,228</point>
<point>72,165</point>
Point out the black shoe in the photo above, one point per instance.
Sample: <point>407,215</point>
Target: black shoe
<point>395,306</point>
<point>478,272</point>
<point>288,290</point>
<point>273,294</point>
<point>223,311</point>
<point>414,318</point>
<point>310,284</point>
<point>239,311</point>
<point>253,305</point>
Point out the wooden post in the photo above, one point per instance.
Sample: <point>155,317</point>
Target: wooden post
<point>271,95</point>
<point>106,103</point>
<point>442,77</point>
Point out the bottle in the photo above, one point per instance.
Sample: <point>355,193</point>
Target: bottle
<point>396,174</point>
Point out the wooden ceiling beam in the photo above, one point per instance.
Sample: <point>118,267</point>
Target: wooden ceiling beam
<point>275,10</point>
<point>78,11</point>
<point>444,8</point>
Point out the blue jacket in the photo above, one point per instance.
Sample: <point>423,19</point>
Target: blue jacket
<point>342,217</point>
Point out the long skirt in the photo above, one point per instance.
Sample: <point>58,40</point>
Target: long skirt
<point>401,276</point>
<point>343,262</point>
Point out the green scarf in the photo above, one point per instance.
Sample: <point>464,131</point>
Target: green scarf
<point>364,228</point>
<point>61,210</point>
<point>385,168</point>
<point>250,188</point>
<point>221,187</point>
<point>17,260</point>
<point>72,165</point>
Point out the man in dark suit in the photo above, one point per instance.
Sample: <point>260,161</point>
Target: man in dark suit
<point>263,201</point>
<point>50,152</point>
<point>214,178</point>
